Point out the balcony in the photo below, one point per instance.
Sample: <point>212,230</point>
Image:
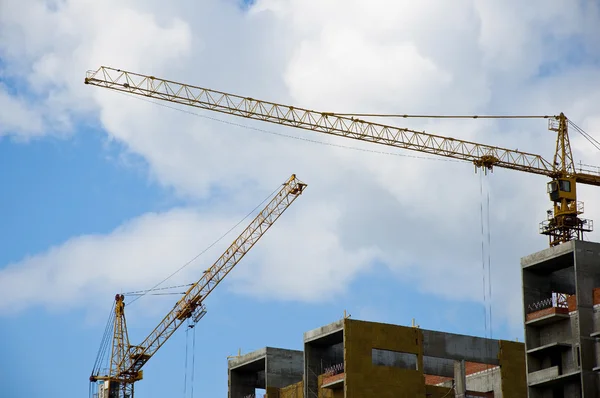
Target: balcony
<point>549,376</point>
<point>334,377</point>
<point>547,347</point>
<point>549,310</point>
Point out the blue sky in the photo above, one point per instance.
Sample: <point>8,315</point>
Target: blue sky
<point>103,193</point>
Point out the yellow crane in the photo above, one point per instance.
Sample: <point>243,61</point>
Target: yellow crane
<point>562,224</point>
<point>126,360</point>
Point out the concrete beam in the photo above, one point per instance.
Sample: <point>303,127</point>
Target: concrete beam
<point>323,331</point>
<point>247,358</point>
<point>460,347</point>
<point>438,366</point>
<point>551,257</point>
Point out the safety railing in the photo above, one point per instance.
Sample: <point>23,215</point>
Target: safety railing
<point>556,300</point>
<point>334,369</point>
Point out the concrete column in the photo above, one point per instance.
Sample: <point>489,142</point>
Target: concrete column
<point>460,379</point>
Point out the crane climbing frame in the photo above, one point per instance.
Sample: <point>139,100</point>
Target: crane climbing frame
<point>563,222</point>
<point>127,360</point>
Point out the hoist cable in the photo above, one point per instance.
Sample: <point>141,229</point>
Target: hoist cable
<point>104,342</point>
<point>489,233</point>
<point>186,360</point>
<point>489,248</point>
<point>483,273</point>
<point>482,253</point>
<point>208,248</point>
<point>584,133</point>
<point>587,136</point>
<point>193,358</point>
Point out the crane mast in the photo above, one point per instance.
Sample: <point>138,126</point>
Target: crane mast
<point>127,360</point>
<point>563,222</point>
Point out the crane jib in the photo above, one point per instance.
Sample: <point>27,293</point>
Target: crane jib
<point>126,364</point>
<point>325,122</point>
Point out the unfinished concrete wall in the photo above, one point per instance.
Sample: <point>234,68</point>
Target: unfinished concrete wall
<point>364,377</point>
<point>242,384</point>
<point>283,367</point>
<point>323,348</point>
<point>596,317</point>
<point>561,349</point>
<point>560,331</point>
<point>587,267</point>
<point>268,368</point>
<point>488,379</point>
<point>507,381</point>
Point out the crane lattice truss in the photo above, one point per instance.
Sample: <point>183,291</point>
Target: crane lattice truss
<point>562,225</point>
<point>127,360</point>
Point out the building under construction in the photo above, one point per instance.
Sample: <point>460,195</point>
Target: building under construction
<point>351,359</point>
<point>561,291</point>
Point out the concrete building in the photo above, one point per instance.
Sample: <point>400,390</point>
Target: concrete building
<point>562,320</point>
<point>358,359</point>
<point>267,367</point>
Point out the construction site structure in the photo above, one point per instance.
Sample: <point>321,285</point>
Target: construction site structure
<point>561,292</point>
<point>126,360</point>
<point>548,368</point>
<point>563,221</point>
<point>357,359</point>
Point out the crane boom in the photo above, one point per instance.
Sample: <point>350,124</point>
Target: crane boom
<point>126,370</point>
<point>192,299</point>
<point>327,122</point>
<point>562,224</point>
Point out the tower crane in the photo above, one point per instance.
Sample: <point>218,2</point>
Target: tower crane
<point>562,224</point>
<point>126,360</point>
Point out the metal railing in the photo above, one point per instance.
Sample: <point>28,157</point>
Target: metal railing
<point>556,300</point>
<point>334,369</point>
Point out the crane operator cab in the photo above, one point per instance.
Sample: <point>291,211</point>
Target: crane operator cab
<point>562,188</point>
<point>562,193</point>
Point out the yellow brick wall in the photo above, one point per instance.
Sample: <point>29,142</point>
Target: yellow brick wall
<point>512,369</point>
<point>293,391</point>
<point>363,379</point>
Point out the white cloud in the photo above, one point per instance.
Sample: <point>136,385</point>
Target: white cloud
<point>134,255</point>
<point>145,250</point>
<point>420,217</point>
<point>17,116</point>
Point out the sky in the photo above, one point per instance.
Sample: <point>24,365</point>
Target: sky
<point>105,193</point>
